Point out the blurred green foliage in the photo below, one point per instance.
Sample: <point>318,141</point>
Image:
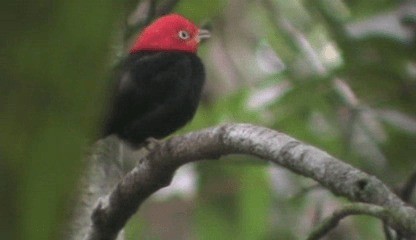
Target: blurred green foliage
<point>53,62</point>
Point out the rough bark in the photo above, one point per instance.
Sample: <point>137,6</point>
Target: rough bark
<point>155,171</point>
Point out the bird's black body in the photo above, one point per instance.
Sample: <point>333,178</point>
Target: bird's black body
<point>157,92</point>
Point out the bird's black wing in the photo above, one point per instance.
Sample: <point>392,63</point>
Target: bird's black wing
<point>156,94</point>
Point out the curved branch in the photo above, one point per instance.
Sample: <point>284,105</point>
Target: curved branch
<point>156,170</point>
<point>354,209</point>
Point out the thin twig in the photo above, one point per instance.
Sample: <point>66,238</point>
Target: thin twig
<point>406,195</point>
<point>409,188</point>
<point>388,232</point>
<point>166,7</point>
<point>154,9</point>
<point>354,209</point>
<point>301,43</point>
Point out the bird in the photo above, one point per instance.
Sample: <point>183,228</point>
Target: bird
<point>159,84</point>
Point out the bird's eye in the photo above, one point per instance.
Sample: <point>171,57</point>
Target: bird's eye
<point>183,35</point>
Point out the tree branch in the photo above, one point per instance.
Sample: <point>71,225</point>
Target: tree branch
<point>103,171</point>
<point>156,170</point>
<point>354,209</point>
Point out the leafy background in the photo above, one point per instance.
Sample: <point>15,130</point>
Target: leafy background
<point>338,74</point>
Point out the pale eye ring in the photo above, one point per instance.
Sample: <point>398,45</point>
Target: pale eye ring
<point>184,35</point>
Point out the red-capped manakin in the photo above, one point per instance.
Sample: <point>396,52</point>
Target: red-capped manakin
<point>159,84</point>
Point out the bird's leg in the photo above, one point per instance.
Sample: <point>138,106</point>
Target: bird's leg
<point>151,143</point>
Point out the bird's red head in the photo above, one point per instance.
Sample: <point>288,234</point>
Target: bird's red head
<point>170,33</point>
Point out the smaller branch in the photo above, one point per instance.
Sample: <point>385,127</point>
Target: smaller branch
<point>166,7</point>
<point>137,19</point>
<point>354,209</point>
<point>388,232</point>
<point>295,36</point>
<point>408,188</point>
<point>406,195</point>
<point>151,12</point>
<point>145,13</point>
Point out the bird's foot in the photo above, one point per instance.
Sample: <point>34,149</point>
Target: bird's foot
<point>151,143</point>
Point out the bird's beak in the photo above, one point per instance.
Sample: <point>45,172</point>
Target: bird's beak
<point>203,34</point>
